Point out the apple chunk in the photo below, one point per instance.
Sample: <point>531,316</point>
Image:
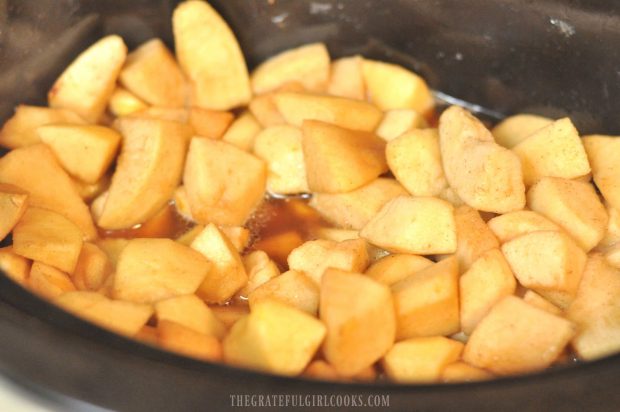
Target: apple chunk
<point>179,338</point>
<point>209,54</point>
<point>551,263</point>
<point>152,74</point>
<point>48,282</point>
<point>21,129</point>
<point>485,175</point>
<point>486,282</point>
<point>48,237</point>
<point>308,64</point>
<point>555,150</point>
<point>514,224</point>
<point>397,122</point>
<point>191,312</point>
<point>596,310</point>
<point>354,209</point>
<point>572,205</point>
<point>148,171</point>
<point>415,160</point>
<point>35,170</point>
<point>473,236</point>
<point>514,129</point>
<point>227,274</point>
<point>280,147</point>
<point>516,337</point>
<point>88,82</point>
<point>315,256</point>
<point>274,338</point>
<point>393,268</point>
<point>149,270</point>
<point>604,154</point>
<point>92,269</point>
<point>126,318</point>
<point>14,266</point>
<point>85,152</point>
<point>427,302</point>
<point>340,160</point>
<point>13,203</point>
<point>243,131</point>
<point>224,184</point>
<point>346,113</point>
<point>359,315</point>
<point>390,86</point>
<point>291,287</point>
<point>346,78</point>
<point>421,225</point>
<point>421,360</point>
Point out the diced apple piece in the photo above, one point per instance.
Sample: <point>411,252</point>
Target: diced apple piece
<point>555,150</point>
<point>149,169</point>
<point>572,205</point>
<point>124,103</point>
<point>88,82</point>
<point>339,111</point>
<point>612,255</point>
<point>48,281</point>
<point>48,237</point>
<point>147,334</point>
<point>275,338</point>
<point>538,301</point>
<point>340,235</point>
<point>390,86</point>
<point>421,360</point>
<point>604,154</point>
<point>92,269</point>
<point>280,147</point>
<point>210,123</point>
<point>85,152</point>
<point>152,74</point>
<point>354,209</point>
<point>486,176</point>
<point>260,270</point>
<point>596,310</point>
<point>209,54</point>
<point>227,274</point>
<point>473,236</point>
<point>243,131</point>
<point>422,226</point>
<point>550,263</point>
<point>394,268</point>
<point>21,129</point>
<point>315,256</point>
<point>516,337</point>
<point>514,129</point>
<point>486,282</point>
<point>149,270</point>
<point>191,312</point>
<point>14,266</point>
<point>359,315</point>
<point>224,184</point>
<point>265,111</point>
<point>321,370</point>
<point>186,341</point>
<point>514,224</point>
<point>13,204</point>
<point>126,318</point>
<point>397,122</point>
<point>415,160</point>
<point>346,78</point>
<point>340,160</point>
<point>308,64</point>
<point>462,372</point>
<point>427,302</point>
<point>293,288</point>
<point>35,170</point>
